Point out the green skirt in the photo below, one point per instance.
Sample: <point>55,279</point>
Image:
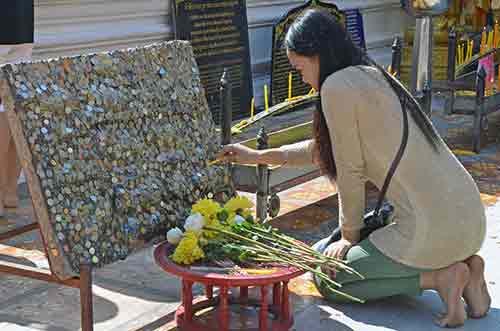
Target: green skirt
<point>383,277</point>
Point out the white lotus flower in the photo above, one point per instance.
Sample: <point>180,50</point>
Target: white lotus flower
<point>239,219</point>
<point>194,222</point>
<point>174,236</point>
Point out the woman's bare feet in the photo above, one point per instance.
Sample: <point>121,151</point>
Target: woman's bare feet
<point>449,282</point>
<point>476,292</point>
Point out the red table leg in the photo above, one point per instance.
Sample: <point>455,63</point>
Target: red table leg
<point>224,309</point>
<point>277,297</point>
<point>209,290</point>
<point>243,293</point>
<point>187,300</point>
<point>285,302</point>
<point>263,309</point>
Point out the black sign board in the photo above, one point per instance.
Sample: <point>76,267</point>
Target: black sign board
<point>218,32</point>
<point>280,67</point>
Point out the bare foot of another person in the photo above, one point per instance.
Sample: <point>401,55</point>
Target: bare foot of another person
<point>476,292</point>
<point>450,284</point>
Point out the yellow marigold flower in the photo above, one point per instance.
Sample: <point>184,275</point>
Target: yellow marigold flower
<point>188,250</point>
<point>207,207</point>
<point>230,217</point>
<point>236,203</point>
<point>214,223</point>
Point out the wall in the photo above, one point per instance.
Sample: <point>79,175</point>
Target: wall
<point>65,27</point>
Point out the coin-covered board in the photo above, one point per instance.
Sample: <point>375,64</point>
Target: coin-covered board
<point>115,147</point>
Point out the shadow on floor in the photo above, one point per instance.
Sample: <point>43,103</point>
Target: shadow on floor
<point>402,313</point>
<point>39,305</point>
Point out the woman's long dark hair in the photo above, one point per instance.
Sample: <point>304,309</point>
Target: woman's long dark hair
<point>317,32</point>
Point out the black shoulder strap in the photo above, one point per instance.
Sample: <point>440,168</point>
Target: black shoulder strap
<point>396,161</point>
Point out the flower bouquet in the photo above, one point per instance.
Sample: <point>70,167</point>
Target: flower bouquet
<point>221,235</point>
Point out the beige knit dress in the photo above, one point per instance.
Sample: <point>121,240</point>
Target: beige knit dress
<point>439,218</point>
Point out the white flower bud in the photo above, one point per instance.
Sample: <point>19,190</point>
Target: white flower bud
<point>194,222</point>
<point>238,219</point>
<point>174,236</point>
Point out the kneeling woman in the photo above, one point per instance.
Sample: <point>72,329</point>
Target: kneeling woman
<point>438,223</point>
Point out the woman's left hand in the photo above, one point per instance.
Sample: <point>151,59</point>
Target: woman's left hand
<point>338,249</point>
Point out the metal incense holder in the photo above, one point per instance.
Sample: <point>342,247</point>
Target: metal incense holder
<point>421,72</point>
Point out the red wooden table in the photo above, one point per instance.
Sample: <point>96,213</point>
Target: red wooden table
<point>273,315</point>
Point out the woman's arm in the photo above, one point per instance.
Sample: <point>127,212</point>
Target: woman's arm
<point>339,103</point>
<point>298,154</point>
<point>351,236</point>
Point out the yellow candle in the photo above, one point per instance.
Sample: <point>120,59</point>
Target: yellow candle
<point>290,85</point>
<point>483,40</point>
<point>490,40</point>
<point>252,109</point>
<point>471,48</point>
<point>495,37</point>
<point>467,51</point>
<point>460,55</point>
<point>266,100</point>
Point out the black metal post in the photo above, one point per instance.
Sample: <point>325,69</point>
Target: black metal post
<point>396,57</point>
<point>86,306</point>
<point>262,179</point>
<point>452,54</point>
<point>452,57</point>
<point>426,100</point>
<point>225,116</point>
<point>479,109</point>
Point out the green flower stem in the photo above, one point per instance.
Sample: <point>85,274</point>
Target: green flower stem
<point>344,294</point>
<point>327,279</point>
<point>303,266</point>
<point>329,282</point>
<point>298,256</point>
<point>265,252</point>
<point>265,249</point>
<point>240,237</point>
<point>302,248</point>
<point>281,258</point>
<point>338,262</point>
<point>320,274</point>
<point>269,250</point>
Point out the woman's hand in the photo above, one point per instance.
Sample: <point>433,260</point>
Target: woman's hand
<point>338,249</point>
<point>238,153</point>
